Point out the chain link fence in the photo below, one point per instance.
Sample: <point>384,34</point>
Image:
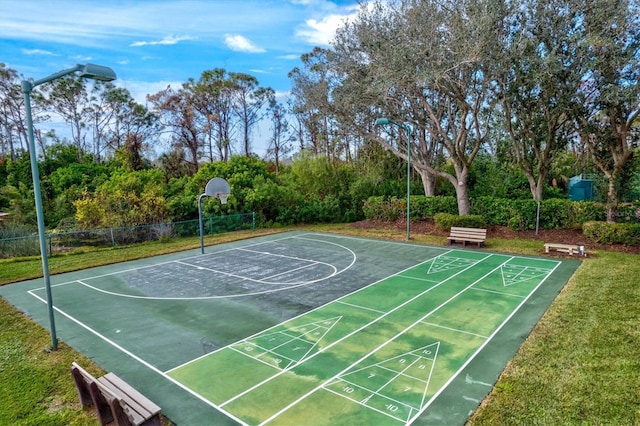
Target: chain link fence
<point>111,237</point>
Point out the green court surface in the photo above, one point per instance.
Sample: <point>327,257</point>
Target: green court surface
<point>305,328</point>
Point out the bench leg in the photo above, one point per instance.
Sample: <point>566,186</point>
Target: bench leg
<point>119,414</point>
<point>83,388</point>
<point>102,405</point>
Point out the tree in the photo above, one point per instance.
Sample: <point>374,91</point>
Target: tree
<point>249,100</point>
<point>426,63</point>
<point>279,144</point>
<point>608,101</point>
<point>130,120</point>
<point>177,113</point>
<point>538,77</point>
<point>13,133</point>
<point>310,94</point>
<point>68,97</point>
<point>126,199</point>
<point>213,99</point>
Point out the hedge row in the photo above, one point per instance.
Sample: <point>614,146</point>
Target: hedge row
<point>516,214</point>
<point>612,233</point>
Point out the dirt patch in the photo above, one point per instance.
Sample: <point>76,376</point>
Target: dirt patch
<point>569,236</point>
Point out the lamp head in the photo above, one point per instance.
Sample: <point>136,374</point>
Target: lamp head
<point>97,72</point>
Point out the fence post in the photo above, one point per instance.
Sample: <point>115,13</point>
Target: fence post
<point>113,241</point>
<point>50,245</point>
<point>253,220</point>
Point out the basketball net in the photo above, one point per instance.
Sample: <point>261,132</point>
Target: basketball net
<point>223,197</point>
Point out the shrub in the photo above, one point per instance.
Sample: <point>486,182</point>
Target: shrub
<point>445,221</point>
<point>554,214</point>
<point>628,213</point>
<point>384,209</point>
<point>496,211</point>
<point>471,221</point>
<point>612,233</point>
<point>424,207</point>
<point>523,215</point>
<point>586,211</point>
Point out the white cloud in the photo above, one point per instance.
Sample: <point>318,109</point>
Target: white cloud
<point>240,43</point>
<point>291,57</point>
<point>321,32</point>
<point>167,40</point>
<point>38,52</point>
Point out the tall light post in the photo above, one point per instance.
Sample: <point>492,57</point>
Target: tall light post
<point>407,129</point>
<point>96,72</point>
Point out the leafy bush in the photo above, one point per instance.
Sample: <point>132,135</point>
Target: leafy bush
<point>523,215</point>
<point>445,221</point>
<point>423,207</point>
<point>555,214</point>
<point>612,233</point>
<point>629,213</point>
<point>496,211</point>
<point>383,209</point>
<point>585,211</point>
<point>471,221</point>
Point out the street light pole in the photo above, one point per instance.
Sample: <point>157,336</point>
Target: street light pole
<point>96,72</point>
<point>407,129</point>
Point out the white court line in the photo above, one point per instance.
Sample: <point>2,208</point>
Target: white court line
<point>360,307</point>
<point>502,293</point>
<point>482,346</point>
<point>165,374</point>
<point>321,386</point>
<point>366,406</point>
<point>137,268</point>
<point>308,312</point>
<point>264,280</point>
<point>138,359</point>
<point>358,329</point>
<point>454,329</point>
<point>426,280</point>
<point>284,286</point>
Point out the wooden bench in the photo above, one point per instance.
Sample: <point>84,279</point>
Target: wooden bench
<point>569,248</point>
<point>114,399</point>
<point>464,235</point>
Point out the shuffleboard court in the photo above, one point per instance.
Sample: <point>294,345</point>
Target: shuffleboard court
<point>305,328</point>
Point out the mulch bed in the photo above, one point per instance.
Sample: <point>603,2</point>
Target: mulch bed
<point>569,236</point>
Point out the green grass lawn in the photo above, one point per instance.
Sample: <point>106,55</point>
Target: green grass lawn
<point>580,365</point>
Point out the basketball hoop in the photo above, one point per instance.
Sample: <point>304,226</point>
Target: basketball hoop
<point>223,197</point>
<point>216,187</point>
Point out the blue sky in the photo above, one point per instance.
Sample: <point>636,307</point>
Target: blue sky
<point>150,44</point>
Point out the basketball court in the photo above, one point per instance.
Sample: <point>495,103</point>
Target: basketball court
<point>305,328</point>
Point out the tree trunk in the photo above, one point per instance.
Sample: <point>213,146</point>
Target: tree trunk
<point>428,182</point>
<point>462,195</point>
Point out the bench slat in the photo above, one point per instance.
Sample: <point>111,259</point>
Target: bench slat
<point>130,392</point>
